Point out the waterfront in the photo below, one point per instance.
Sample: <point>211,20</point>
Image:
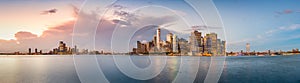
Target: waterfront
<point>61,69</point>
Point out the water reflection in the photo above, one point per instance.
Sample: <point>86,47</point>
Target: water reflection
<point>32,69</point>
<point>60,69</point>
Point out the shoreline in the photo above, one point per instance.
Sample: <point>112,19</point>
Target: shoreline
<point>151,55</point>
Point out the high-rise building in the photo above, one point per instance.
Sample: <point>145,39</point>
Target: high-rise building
<point>183,46</point>
<point>41,52</point>
<point>55,51</point>
<point>170,37</point>
<point>214,44</point>
<point>139,46</point>
<point>143,49</point>
<point>29,51</point>
<point>169,42</point>
<point>193,43</point>
<point>196,45</point>
<point>223,46</point>
<point>219,46</point>
<point>248,47</point>
<point>207,44</point>
<point>62,48</point>
<point>154,40</point>
<point>74,50</point>
<point>158,39</point>
<point>149,46</point>
<point>35,51</point>
<point>175,44</point>
<point>198,38</point>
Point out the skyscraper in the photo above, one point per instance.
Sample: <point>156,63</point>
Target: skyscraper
<point>75,50</point>
<point>196,47</point>
<point>183,46</point>
<point>193,43</point>
<point>223,46</point>
<point>219,46</point>
<point>208,44</point>
<point>41,52</point>
<point>214,44</point>
<point>248,47</point>
<point>154,40</point>
<point>35,51</point>
<point>175,44</point>
<point>29,51</point>
<point>149,45</point>
<point>139,47</point>
<point>170,37</point>
<point>170,42</point>
<point>62,48</point>
<point>198,38</point>
<point>158,38</point>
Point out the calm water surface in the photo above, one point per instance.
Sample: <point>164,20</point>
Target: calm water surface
<point>61,69</point>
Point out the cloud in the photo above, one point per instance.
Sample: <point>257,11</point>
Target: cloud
<point>285,12</point>
<point>180,13</point>
<point>273,35</point>
<point>291,27</point>
<point>280,29</point>
<point>51,11</point>
<point>75,10</point>
<point>46,41</point>
<point>202,27</point>
<point>23,35</point>
<point>64,31</point>
<point>130,21</point>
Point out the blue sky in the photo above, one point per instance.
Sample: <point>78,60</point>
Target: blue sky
<point>257,22</point>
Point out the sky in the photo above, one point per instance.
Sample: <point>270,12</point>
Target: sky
<point>25,16</point>
<point>265,24</point>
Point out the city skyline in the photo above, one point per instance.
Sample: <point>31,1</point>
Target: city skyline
<point>197,45</point>
<point>149,41</point>
<point>275,27</point>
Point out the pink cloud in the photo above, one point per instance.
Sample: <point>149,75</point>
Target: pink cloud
<point>64,31</point>
<point>287,11</point>
<point>23,35</point>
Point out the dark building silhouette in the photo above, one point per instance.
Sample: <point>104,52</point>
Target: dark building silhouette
<point>35,51</point>
<point>29,51</point>
<point>41,52</point>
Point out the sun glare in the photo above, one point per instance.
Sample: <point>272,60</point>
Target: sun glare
<point>71,19</point>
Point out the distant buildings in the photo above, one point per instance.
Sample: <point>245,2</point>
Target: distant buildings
<point>29,51</point>
<point>209,45</point>
<point>175,44</point>
<point>263,53</point>
<point>197,45</point>
<point>157,45</point>
<point>62,49</point>
<point>248,47</point>
<point>36,52</point>
<point>158,42</point>
<point>183,46</point>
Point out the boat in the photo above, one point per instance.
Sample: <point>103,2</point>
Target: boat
<point>206,54</point>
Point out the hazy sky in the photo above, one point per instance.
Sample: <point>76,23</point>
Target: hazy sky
<point>26,15</point>
<point>265,24</point>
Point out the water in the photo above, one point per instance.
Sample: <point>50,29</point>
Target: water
<point>268,69</point>
<point>61,69</point>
